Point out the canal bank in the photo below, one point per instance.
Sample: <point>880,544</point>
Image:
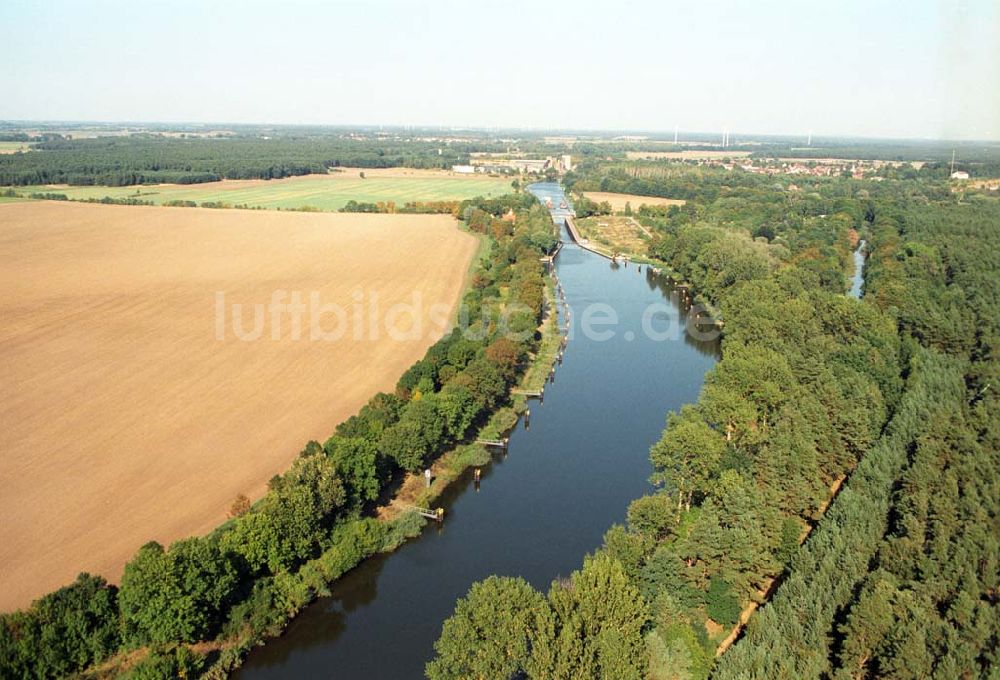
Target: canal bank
<point>538,508</point>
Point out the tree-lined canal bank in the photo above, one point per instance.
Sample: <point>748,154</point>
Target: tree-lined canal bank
<point>537,510</point>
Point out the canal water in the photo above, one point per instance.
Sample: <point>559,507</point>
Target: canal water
<point>540,508</point>
<point>858,279</point>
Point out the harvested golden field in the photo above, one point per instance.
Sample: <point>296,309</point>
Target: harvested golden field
<point>125,418</point>
<point>618,201</point>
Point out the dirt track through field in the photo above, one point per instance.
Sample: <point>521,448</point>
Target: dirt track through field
<point>123,418</point>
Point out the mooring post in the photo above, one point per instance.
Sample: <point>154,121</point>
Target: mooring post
<point>440,515</point>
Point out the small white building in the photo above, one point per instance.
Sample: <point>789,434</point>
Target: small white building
<point>464,169</point>
<point>960,174</point>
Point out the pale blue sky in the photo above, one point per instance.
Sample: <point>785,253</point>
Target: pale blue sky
<point>914,68</point>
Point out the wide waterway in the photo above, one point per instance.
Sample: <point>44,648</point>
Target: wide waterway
<point>539,509</point>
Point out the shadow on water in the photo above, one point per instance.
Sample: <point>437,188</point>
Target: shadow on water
<point>327,619</point>
<point>688,314</point>
<point>539,509</point>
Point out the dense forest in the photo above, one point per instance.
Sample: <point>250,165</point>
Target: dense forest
<point>230,589</point>
<point>150,159</point>
<point>901,578</point>
<point>840,466</point>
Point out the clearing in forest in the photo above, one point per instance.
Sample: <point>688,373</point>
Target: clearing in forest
<point>616,233</point>
<point>14,147</point>
<point>125,418</point>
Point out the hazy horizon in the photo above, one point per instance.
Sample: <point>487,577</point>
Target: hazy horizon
<point>857,69</point>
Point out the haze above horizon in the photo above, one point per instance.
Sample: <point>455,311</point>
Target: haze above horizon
<point>852,68</point>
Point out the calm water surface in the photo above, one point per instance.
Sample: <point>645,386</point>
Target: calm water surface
<point>859,270</point>
<point>538,510</point>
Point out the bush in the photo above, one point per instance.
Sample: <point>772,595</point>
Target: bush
<point>406,526</point>
<point>259,612</point>
<point>654,515</point>
<point>351,543</point>
<point>473,455</point>
<point>721,605</point>
<point>62,632</point>
<point>287,526</point>
<point>176,595</point>
<point>180,662</point>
